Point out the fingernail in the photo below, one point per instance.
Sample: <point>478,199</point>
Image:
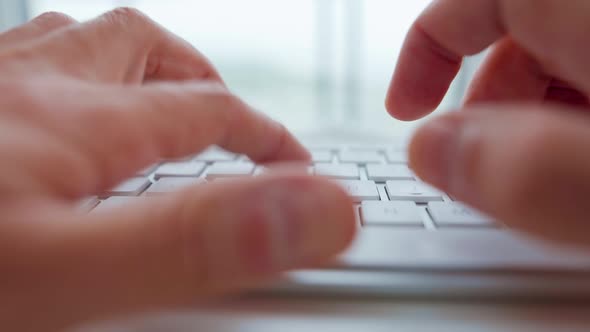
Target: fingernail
<point>308,220</point>
<point>434,150</point>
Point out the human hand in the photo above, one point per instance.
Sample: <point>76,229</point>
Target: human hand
<point>84,106</point>
<point>521,155</point>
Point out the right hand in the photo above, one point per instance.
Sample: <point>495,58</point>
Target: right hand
<point>84,106</point>
<point>520,150</point>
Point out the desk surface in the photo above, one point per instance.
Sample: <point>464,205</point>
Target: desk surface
<point>287,315</point>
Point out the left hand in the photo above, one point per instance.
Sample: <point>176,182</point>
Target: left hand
<point>86,105</point>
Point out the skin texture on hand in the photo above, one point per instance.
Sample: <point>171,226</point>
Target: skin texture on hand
<point>518,150</point>
<point>86,105</point>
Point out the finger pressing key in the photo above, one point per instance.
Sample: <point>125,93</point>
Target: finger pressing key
<point>175,250</point>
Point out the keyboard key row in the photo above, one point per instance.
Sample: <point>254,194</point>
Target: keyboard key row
<point>443,214</point>
<point>360,190</point>
<point>345,171</point>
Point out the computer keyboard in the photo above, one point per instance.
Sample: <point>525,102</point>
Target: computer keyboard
<point>378,179</point>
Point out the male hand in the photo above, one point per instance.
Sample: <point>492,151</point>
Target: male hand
<point>86,105</point>
<point>523,154</point>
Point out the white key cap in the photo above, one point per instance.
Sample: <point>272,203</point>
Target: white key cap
<point>382,173</point>
<point>214,154</point>
<point>147,171</point>
<point>179,169</point>
<point>261,170</point>
<point>365,147</point>
<point>412,191</point>
<point>170,185</point>
<point>324,147</point>
<point>321,156</point>
<point>342,171</point>
<point>87,204</point>
<point>396,157</point>
<point>456,215</point>
<point>229,170</point>
<point>391,214</point>
<point>131,187</point>
<point>361,190</point>
<point>114,202</point>
<point>360,157</point>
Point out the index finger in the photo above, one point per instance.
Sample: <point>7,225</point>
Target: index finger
<point>138,126</point>
<point>550,30</point>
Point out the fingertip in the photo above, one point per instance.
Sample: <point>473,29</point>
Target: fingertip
<point>340,215</point>
<point>328,223</point>
<point>433,148</point>
<point>287,148</point>
<point>402,108</point>
<point>422,77</point>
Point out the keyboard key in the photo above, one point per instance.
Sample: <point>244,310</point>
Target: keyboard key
<point>87,204</point>
<point>132,187</point>
<point>456,215</point>
<point>321,156</point>
<point>360,157</point>
<point>229,170</point>
<point>366,147</point>
<point>170,185</point>
<point>322,147</point>
<point>391,214</point>
<point>382,173</point>
<point>147,171</point>
<point>342,171</point>
<point>114,202</point>
<point>396,157</point>
<point>412,191</point>
<point>361,190</point>
<point>214,154</point>
<point>179,169</point>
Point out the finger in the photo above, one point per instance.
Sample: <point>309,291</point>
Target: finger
<point>184,248</point>
<point>509,74</point>
<point>37,27</point>
<point>523,166</point>
<point>546,29</point>
<point>126,46</point>
<point>138,126</point>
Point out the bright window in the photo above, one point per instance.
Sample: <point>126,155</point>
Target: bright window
<point>305,62</point>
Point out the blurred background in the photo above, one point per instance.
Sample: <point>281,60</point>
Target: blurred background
<point>307,63</point>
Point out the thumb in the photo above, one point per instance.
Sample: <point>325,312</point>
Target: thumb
<point>524,166</point>
<point>172,251</point>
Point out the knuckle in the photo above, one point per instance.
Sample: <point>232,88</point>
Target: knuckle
<point>23,99</point>
<point>52,20</point>
<point>127,15</point>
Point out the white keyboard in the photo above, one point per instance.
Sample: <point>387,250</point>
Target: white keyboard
<point>378,179</point>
